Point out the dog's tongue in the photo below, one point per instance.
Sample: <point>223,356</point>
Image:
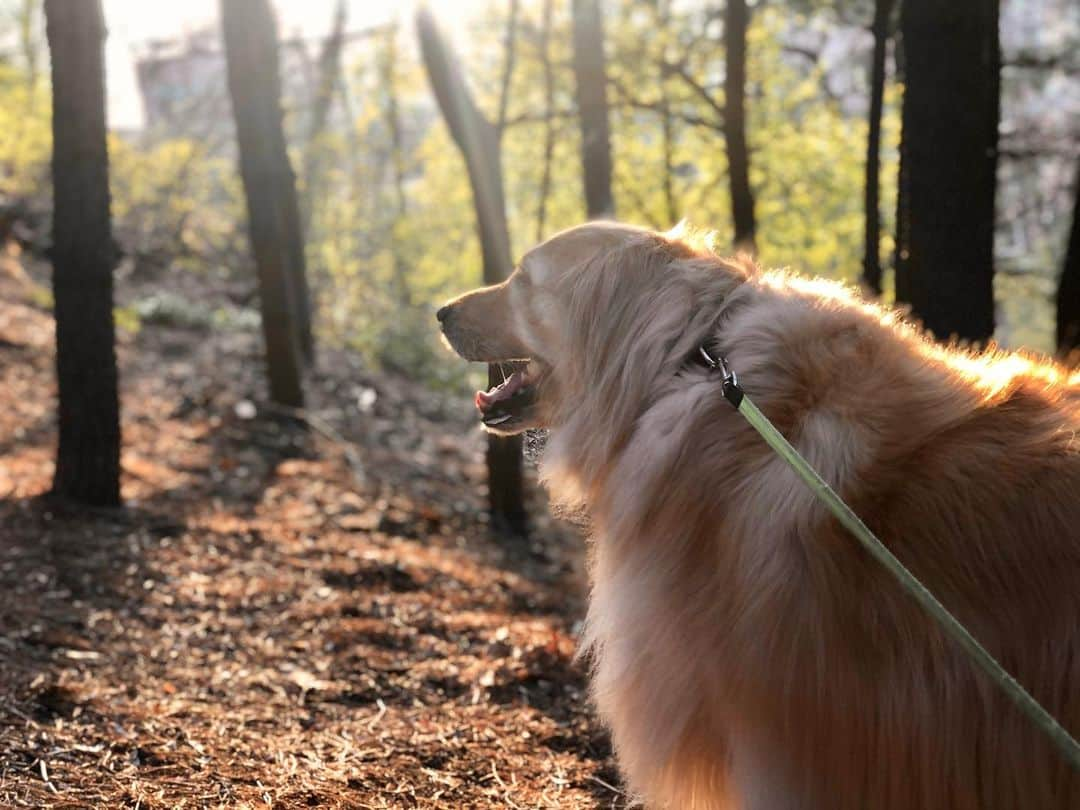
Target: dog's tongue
<point>485,399</point>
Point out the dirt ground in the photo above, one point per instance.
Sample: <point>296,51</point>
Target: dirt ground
<point>280,617</point>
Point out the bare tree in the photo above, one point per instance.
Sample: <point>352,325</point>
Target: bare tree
<point>28,19</point>
<point>945,255</point>
<point>544,47</point>
<point>872,194</point>
<point>270,188</point>
<point>1068,294</point>
<point>479,140</point>
<point>388,81</point>
<point>88,455</point>
<point>591,85</point>
<point>742,197</point>
<point>328,77</point>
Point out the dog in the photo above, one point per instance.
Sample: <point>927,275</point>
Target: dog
<point>746,652</point>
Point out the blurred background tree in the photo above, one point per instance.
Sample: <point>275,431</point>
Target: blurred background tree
<point>277,242</point>
<point>590,84</point>
<point>948,165</point>
<point>83,256</point>
<point>480,142</point>
<point>776,123</point>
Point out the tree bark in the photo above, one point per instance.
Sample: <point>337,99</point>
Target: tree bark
<point>388,79</point>
<point>1068,294</point>
<point>270,189</point>
<point>667,145</point>
<point>742,197</point>
<point>479,142</point>
<point>328,75</point>
<point>88,455</point>
<point>29,31</point>
<point>549,118</point>
<point>903,231</point>
<point>951,109</point>
<point>591,87</point>
<point>872,189</point>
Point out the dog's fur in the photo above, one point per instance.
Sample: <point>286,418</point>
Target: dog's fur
<point>747,652</point>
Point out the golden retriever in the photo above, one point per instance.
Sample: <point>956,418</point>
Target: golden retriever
<point>746,652</point>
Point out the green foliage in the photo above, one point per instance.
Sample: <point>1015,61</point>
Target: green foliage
<point>126,318</point>
<point>808,166</point>
<point>167,308</point>
<point>391,231</point>
<point>174,203</point>
<point>807,155</point>
<point>25,133</point>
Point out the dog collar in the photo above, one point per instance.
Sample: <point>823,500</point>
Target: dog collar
<point>729,382</point>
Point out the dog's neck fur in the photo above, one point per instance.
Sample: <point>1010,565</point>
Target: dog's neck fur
<point>628,342</point>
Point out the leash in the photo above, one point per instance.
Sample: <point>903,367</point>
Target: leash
<point>1057,733</point>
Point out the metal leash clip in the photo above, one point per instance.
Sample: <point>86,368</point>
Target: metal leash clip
<point>732,392</point>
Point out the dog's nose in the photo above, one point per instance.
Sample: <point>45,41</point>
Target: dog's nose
<point>442,313</point>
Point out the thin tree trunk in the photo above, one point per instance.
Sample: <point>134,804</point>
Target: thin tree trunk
<point>742,197</point>
<point>479,142</point>
<point>388,80</point>
<point>269,187</point>
<point>667,144</point>
<point>329,74</point>
<point>591,86</point>
<point>872,196</point>
<point>302,301</point>
<point>1068,294</point>
<point>549,114</point>
<point>28,41</point>
<point>88,455</point>
<point>393,120</point>
<point>945,266</point>
<point>509,59</point>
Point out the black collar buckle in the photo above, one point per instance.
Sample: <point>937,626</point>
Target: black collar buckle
<point>732,392</point>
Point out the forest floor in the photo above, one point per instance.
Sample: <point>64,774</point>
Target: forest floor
<point>267,624</point>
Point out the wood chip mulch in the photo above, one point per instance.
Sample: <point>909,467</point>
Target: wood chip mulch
<point>266,625</point>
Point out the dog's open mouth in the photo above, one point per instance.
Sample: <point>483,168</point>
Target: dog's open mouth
<point>508,407</point>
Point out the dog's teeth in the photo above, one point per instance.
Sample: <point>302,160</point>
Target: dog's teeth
<point>497,420</point>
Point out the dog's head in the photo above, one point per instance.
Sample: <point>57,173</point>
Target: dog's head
<point>578,313</point>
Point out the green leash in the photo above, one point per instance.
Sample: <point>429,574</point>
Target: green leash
<point>1057,733</point>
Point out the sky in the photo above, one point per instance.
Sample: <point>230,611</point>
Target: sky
<point>133,22</point>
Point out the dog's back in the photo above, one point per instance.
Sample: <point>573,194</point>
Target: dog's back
<point>786,667</point>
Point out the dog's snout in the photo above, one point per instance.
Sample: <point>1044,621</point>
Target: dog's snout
<point>443,313</point>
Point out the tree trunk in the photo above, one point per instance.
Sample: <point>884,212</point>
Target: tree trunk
<point>270,189</point>
<point>479,142</point>
<point>329,73</point>
<point>1068,294</point>
<point>951,108</point>
<point>29,31</point>
<point>549,115</point>
<point>88,456</point>
<point>903,232</point>
<point>667,146</point>
<point>591,79</point>
<point>872,195</point>
<point>388,80</point>
<point>742,198</point>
